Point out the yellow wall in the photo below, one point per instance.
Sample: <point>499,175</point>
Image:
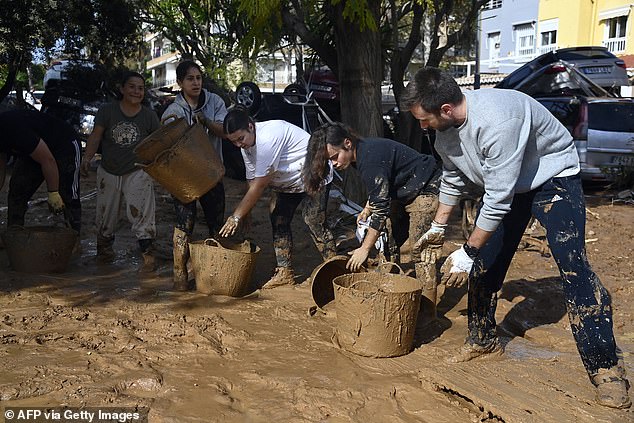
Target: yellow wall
<point>579,21</point>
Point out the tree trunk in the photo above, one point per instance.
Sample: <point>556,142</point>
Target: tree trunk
<point>360,73</point>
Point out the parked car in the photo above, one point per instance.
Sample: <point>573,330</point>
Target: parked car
<point>597,63</point>
<point>602,125</point>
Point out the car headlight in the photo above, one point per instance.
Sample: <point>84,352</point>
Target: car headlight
<point>86,124</point>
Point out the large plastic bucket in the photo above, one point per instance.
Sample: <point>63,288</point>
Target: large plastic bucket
<point>160,140</point>
<point>188,169</point>
<point>39,249</point>
<point>376,313</point>
<point>321,279</point>
<point>223,268</point>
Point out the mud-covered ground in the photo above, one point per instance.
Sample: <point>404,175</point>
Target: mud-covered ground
<point>103,335</point>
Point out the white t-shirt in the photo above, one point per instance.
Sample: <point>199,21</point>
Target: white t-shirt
<point>280,149</point>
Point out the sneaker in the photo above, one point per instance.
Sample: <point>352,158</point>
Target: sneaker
<point>611,388</point>
<point>470,351</point>
<point>282,276</point>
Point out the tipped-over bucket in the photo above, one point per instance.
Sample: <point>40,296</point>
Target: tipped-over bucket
<point>223,267</point>
<point>376,313</point>
<point>39,249</point>
<point>190,168</point>
<point>322,276</point>
<point>160,140</point>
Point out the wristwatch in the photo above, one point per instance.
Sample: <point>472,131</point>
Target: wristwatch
<point>472,252</point>
<point>236,219</point>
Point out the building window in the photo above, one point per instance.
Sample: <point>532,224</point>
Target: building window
<point>493,43</point>
<point>614,38</point>
<point>524,35</point>
<point>492,4</point>
<point>548,41</point>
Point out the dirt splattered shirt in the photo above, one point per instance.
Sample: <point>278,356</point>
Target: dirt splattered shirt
<point>391,170</point>
<point>121,134</point>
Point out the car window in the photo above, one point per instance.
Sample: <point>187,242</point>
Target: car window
<point>584,54</point>
<point>566,110</point>
<point>613,117</point>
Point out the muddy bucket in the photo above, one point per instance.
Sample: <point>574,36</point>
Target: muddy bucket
<point>376,313</point>
<point>188,169</point>
<point>160,140</point>
<point>321,279</point>
<point>223,268</point>
<point>39,249</point>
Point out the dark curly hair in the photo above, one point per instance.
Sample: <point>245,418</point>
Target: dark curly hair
<point>316,168</point>
<point>430,89</point>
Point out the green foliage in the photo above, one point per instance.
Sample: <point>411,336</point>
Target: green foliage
<point>358,12</point>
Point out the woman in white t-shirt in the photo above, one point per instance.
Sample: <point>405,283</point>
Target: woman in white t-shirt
<point>274,153</point>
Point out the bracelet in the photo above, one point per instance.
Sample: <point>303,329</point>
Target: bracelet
<point>236,219</point>
<point>472,252</point>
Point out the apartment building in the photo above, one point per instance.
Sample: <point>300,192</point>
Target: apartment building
<point>516,31</point>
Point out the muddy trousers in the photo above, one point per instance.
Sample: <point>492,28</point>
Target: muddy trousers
<point>559,206</point>
<point>27,177</point>
<point>213,205</point>
<point>421,213</point>
<point>136,190</point>
<point>282,208</point>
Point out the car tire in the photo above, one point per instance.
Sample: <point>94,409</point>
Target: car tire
<point>248,95</point>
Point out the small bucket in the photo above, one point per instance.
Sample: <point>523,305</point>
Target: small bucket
<point>376,313</point>
<point>321,280</point>
<point>223,268</point>
<point>160,140</point>
<point>190,168</point>
<point>39,249</point>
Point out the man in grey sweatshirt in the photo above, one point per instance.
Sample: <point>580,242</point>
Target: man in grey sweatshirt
<point>510,146</point>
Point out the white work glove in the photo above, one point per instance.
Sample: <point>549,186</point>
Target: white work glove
<point>430,244</point>
<point>55,202</point>
<point>459,264</point>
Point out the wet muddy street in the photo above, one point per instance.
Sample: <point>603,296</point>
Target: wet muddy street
<point>103,335</point>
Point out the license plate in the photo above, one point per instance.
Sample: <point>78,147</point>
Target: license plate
<point>623,160</point>
<point>596,69</point>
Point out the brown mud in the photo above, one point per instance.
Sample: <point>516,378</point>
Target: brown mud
<point>103,335</point>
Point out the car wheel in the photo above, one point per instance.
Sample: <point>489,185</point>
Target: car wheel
<point>248,95</point>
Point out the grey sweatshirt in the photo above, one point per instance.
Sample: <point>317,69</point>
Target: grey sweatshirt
<point>213,108</point>
<point>508,144</point>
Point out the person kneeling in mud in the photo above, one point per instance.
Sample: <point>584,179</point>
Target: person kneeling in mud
<point>274,153</point>
<point>392,173</point>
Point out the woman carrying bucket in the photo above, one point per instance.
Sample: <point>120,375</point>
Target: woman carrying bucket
<point>119,127</point>
<point>392,173</point>
<point>194,103</point>
<point>274,153</point>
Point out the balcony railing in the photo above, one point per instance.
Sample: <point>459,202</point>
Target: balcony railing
<point>615,44</point>
<point>547,48</point>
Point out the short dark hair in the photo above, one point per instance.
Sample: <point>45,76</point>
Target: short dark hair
<point>316,163</point>
<point>184,66</point>
<point>430,89</point>
<point>237,118</point>
<point>127,75</point>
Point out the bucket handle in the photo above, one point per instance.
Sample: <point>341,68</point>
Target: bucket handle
<point>400,269</point>
<point>168,117</point>
<point>212,243</point>
<point>156,159</point>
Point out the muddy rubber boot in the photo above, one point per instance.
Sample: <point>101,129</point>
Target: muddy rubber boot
<point>282,276</point>
<point>149,261</point>
<point>181,256</point>
<point>105,253</point>
<point>611,387</point>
